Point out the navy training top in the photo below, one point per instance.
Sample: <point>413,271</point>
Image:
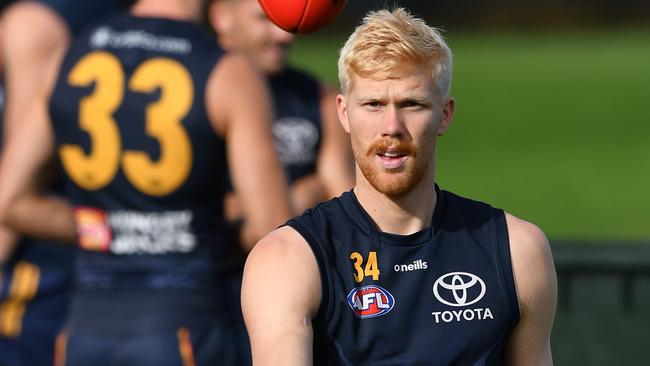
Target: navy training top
<point>143,166</point>
<point>442,296</point>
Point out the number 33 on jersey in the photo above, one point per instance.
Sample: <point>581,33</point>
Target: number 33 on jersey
<point>97,168</point>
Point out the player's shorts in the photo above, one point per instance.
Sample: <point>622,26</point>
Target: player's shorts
<point>210,343</point>
<point>170,329</point>
<point>33,302</point>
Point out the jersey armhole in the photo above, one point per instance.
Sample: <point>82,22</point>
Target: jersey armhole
<point>324,307</point>
<point>505,261</point>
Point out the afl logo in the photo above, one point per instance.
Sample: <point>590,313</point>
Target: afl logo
<point>370,301</point>
<point>459,289</point>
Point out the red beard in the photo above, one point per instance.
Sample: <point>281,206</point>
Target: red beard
<point>392,182</point>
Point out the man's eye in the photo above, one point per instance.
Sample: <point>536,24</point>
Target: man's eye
<point>411,104</point>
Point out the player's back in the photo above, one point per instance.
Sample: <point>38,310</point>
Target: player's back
<point>142,165</point>
<point>297,127</point>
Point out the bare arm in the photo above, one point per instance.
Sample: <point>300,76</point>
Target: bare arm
<point>335,161</point>
<point>536,285</point>
<point>34,43</point>
<point>240,108</point>
<point>281,292</point>
<point>22,208</point>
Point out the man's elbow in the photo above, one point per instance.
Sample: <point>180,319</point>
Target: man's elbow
<point>7,208</point>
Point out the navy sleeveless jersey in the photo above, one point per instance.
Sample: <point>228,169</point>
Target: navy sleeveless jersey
<point>297,126</point>
<point>441,296</point>
<point>142,163</point>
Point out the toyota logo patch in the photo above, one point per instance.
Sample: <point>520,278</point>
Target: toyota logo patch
<point>459,289</point>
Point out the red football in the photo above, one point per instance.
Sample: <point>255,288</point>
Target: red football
<point>302,16</point>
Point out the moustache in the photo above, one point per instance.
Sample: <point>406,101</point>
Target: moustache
<point>397,146</point>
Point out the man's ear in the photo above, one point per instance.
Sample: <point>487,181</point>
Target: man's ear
<point>447,115</point>
<point>342,109</point>
<point>220,16</point>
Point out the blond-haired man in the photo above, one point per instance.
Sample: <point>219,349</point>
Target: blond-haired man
<point>398,271</point>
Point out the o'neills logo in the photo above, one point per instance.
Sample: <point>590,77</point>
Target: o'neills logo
<point>416,265</point>
<point>460,289</point>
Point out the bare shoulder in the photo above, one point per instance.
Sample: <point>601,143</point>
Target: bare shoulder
<point>527,241</point>
<point>38,24</point>
<point>230,72</point>
<point>280,297</point>
<point>279,247</point>
<point>283,263</point>
<point>532,262</point>
<point>235,85</point>
<point>526,233</point>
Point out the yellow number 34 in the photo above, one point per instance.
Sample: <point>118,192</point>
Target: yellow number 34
<point>371,268</point>
<point>95,170</point>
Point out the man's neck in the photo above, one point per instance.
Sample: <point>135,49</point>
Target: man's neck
<point>403,215</point>
<point>170,9</point>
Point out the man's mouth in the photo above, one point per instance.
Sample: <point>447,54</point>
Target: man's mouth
<point>392,159</point>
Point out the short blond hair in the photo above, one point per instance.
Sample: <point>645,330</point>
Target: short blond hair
<point>387,41</point>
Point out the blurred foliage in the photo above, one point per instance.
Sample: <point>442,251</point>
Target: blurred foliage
<point>552,126</point>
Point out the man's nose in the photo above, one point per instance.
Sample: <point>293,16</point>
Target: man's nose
<point>392,123</point>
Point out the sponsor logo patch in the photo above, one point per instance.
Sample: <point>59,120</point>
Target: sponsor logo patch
<point>370,301</point>
<point>459,289</point>
<point>93,230</point>
<point>296,140</point>
<point>134,232</point>
<point>415,266</point>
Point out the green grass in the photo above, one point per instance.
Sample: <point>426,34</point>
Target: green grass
<point>554,127</point>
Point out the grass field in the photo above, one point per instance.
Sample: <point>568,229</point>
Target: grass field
<point>555,127</point>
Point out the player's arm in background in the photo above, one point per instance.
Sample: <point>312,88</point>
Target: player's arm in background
<point>239,105</point>
<point>281,292</point>
<point>335,160</point>
<point>34,42</point>
<point>35,37</point>
<point>535,280</point>
<point>7,237</point>
<point>335,165</point>
<point>7,244</point>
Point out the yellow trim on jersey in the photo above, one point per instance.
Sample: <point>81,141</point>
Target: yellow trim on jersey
<point>24,285</point>
<point>185,347</point>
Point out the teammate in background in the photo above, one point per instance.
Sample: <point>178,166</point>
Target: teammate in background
<point>398,271</point>
<point>310,142</point>
<point>146,112</point>
<point>38,275</point>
